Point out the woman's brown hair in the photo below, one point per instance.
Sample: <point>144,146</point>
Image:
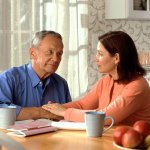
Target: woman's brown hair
<point>120,42</point>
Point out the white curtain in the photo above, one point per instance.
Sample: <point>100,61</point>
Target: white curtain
<point>20,19</point>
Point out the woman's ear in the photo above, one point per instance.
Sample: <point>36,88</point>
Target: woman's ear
<point>117,58</point>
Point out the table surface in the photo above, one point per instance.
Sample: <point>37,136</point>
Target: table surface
<point>68,140</point>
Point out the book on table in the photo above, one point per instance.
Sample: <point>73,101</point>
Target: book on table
<point>30,127</point>
<point>33,127</point>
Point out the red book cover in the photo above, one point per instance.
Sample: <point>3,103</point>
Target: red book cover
<point>30,128</point>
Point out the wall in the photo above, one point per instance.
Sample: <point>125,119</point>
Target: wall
<point>138,30</point>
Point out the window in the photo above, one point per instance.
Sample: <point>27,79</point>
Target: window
<point>20,19</point>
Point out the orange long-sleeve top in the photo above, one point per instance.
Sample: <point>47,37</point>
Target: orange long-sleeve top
<point>126,103</point>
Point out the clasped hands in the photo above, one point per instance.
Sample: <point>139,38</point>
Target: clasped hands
<point>55,108</point>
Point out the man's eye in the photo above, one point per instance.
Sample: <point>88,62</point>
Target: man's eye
<point>49,52</point>
<point>59,54</point>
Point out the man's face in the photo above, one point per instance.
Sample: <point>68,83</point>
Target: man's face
<point>46,58</point>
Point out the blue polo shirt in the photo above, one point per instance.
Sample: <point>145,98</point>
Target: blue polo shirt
<point>22,87</point>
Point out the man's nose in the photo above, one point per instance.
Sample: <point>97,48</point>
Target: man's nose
<point>55,57</point>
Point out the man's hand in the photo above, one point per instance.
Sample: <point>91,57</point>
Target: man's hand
<point>49,115</point>
<point>55,108</point>
<point>36,113</point>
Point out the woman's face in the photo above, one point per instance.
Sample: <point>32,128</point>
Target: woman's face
<point>105,62</point>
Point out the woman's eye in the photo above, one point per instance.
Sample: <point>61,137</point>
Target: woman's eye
<point>99,53</point>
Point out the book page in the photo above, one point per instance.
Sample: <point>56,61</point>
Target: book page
<point>67,125</point>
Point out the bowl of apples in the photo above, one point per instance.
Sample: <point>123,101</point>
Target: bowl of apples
<point>134,137</point>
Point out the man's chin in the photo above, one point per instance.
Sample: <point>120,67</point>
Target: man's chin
<point>51,71</point>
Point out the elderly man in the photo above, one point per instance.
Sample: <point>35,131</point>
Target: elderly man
<point>32,85</point>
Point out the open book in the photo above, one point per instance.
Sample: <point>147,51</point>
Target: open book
<point>67,125</point>
<point>32,127</point>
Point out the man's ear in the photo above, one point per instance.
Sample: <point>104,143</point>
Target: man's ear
<point>117,58</point>
<point>32,52</point>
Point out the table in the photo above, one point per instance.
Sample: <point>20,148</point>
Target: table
<point>68,140</point>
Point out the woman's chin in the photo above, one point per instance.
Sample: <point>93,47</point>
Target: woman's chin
<point>101,71</point>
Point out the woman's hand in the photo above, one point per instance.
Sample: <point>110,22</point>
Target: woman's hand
<point>55,108</point>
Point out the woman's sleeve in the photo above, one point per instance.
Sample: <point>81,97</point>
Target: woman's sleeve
<point>124,105</point>
<point>133,98</point>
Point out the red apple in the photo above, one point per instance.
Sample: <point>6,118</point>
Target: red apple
<point>143,127</point>
<point>131,138</point>
<point>118,133</point>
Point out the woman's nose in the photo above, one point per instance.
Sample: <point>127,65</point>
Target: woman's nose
<point>96,57</point>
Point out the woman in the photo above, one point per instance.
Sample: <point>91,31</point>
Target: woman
<point>122,93</point>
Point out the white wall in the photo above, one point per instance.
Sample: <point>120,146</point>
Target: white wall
<point>138,30</point>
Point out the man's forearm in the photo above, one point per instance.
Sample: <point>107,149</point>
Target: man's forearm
<point>36,113</point>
